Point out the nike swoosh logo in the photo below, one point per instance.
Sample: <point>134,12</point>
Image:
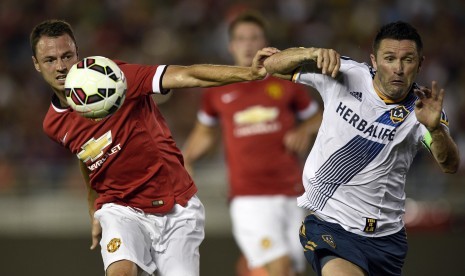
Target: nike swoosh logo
<point>63,140</point>
<point>229,97</point>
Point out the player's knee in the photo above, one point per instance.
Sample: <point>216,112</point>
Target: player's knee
<point>184,272</point>
<point>122,268</point>
<point>280,266</point>
<point>121,273</point>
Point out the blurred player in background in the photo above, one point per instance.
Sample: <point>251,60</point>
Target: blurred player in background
<point>375,120</point>
<point>142,201</point>
<point>263,139</point>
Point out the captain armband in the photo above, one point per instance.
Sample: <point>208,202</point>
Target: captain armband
<point>427,140</point>
<point>296,73</point>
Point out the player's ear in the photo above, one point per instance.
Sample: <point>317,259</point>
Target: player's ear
<point>373,61</point>
<point>36,64</point>
<point>422,58</point>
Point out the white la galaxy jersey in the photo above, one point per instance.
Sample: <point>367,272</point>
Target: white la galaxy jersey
<point>355,174</point>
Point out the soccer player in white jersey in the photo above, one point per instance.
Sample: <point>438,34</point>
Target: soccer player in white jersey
<point>375,119</point>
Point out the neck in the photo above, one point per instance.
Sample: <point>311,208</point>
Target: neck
<point>61,96</point>
<point>383,96</point>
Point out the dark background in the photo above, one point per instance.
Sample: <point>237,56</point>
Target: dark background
<point>44,226</point>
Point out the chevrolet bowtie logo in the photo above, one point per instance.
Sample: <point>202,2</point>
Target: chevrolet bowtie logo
<point>93,148</point>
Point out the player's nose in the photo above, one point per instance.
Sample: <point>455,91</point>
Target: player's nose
<point>60,65</point>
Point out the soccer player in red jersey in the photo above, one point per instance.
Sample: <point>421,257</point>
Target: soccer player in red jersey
<point>142,201</point>
<point>262,138</point>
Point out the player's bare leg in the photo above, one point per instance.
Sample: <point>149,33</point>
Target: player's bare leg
<point>122,268</point>
<point>341,267</point>
<point>280,267</point>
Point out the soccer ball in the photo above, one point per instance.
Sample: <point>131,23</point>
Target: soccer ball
<point>95,87</point>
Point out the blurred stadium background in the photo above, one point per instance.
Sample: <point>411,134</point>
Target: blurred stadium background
<point>44,225</point>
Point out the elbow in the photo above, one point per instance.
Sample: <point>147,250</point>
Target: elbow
<point>451,167</point>
<point>450,170</point>
<point>268,64</point>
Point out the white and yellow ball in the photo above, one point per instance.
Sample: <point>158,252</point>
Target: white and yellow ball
<point>95,87</point>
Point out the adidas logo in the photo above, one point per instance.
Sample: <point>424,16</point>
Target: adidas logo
<point>357,95</point>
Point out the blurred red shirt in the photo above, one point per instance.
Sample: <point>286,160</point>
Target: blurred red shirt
<point>254,117</point>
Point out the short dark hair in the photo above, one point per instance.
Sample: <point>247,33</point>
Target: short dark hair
<point>248,17</point>
<point>398,30</point>
<point>50,28</point>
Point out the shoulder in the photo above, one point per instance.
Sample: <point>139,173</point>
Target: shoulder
<point>139,68</point>
<point>54,119</point>
<point>356,72</point>
<point>349,64</point>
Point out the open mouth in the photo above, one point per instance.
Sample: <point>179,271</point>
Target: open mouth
<point>61,78</point>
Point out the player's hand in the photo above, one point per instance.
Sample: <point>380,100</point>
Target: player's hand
<point>258,68</point>
<point>428,107</point>
<point>96,233</point>
<point>328,60</point>
<point>297,140</point>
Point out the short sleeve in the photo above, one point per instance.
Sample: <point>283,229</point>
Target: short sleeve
<point>207,114</point>
<point>306,75</point>
<point>143,80</point>
<point>302,103</point>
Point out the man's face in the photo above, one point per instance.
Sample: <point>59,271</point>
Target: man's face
<point>54,57</point>
<point>397,63</point>
<point>247,38</point>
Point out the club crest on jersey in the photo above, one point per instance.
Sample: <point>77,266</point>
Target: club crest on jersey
<point>266,243</point>
<point>329,240</point>
<point>399,113</point>
<point>113,245</point>
<point>275,91</point>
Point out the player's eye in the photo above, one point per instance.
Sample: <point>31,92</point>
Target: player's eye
<point>388,58</point>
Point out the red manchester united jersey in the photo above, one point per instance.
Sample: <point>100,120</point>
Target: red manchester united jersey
<point>255,117</point>
<point>131,155</point>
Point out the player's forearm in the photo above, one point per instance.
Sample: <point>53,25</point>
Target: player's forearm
<point>312,124</point>
<point>198,143</point>
<point>206,75</point>
<point>286,61</point>
<point>91,193</point>
<point>444,150</point>
<point>222,74</point>
<point>91,197</point>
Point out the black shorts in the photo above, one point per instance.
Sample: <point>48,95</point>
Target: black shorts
<point>377,256</point>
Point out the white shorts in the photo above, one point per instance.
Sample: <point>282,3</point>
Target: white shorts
<point>267,227</point>
<point>167,243</point>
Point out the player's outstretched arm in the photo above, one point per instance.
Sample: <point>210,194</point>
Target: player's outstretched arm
<point>284,63</point>
<point>91,197</point>
<point>200,140</point>
<point>428,110</point>
<point>206,75</point>
<point>299,139</point>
